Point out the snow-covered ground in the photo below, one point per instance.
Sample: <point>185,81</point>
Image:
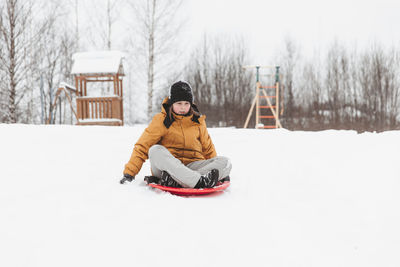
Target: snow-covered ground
<point>296,199</point>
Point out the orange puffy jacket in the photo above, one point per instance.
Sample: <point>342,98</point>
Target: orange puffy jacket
<point>186,137</point>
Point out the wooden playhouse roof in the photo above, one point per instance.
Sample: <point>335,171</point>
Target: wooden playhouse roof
<point>97,63</point>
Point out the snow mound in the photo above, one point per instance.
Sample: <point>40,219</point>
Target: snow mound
<point>296,199</point>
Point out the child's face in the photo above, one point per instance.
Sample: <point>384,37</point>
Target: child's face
<point>181,107</point>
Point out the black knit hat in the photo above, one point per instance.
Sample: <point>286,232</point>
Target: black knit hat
<point>180,91</point>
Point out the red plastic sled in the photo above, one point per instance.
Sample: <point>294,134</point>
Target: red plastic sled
<point>191,191</point>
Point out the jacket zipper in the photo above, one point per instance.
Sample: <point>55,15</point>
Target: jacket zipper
<point>184,140</point>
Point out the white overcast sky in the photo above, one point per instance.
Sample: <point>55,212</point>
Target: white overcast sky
<point>313,24</point>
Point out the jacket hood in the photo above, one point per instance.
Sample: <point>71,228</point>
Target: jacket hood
<point>170,119</point>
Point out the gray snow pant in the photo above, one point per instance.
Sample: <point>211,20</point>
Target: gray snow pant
<point>186,175</point>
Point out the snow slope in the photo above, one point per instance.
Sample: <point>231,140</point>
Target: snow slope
<point>296,199</point>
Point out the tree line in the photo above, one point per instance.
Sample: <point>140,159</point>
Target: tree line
<point>344,89</point>
<point>38,39</point>
<point>340,88</point>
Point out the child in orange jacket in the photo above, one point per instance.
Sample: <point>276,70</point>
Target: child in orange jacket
<point>178,145</point>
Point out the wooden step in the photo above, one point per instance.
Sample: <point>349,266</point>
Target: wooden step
<point>267,117</point>
<point>267,106</point>
<point>268,127</point>
<point>268,87</point>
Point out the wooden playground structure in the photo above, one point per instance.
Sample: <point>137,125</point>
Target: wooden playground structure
<point>267,113</point>
<point>96,67</point>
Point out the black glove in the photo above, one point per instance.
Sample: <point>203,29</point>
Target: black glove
<point>128,178</point>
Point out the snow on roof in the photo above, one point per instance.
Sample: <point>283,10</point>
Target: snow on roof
<point>98,62</point>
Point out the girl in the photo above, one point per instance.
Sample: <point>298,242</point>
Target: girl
<point>178,145</point>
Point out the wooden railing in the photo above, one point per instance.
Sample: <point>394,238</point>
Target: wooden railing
<point>99,108</point>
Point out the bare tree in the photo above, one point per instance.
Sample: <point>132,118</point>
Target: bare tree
<point>72,6</point>
<point>289,61</point>
<point>222,89</point>
<point>18,34</point>
<point>198,71</point>
<point>380,89</point>
<point>13,20</point>
<point>337,83</point>
<point>312,107</point>
<point>56,49</point>
<point>157,29</point>
<point>103,15</point>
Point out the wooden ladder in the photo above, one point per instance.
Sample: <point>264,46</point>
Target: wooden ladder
<point>266,101</point>
<point>267,113</point>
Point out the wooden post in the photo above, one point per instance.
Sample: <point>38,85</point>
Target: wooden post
<point>97,109</point>
<point>118,84</point>
<point>87,107</point>
<point>83,109</point>
<point>257,104</point>
<point>282,96</point>
<point>122,100</point>
<point>109,113</point>
<point>277,105</point>
<point>115,85</point>
<point>250,112</point>
<point>115,108</point>
<point>121,104</point>
<point>78,110</point>
<point>122,93</point>
<point>81,86</point>
<point>85,85</point>
<point>77,85</point>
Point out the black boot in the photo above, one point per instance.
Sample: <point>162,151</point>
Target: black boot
<point>152,180</point>
<point>208,180</point>
<point>226,179</point>
<point>167,180</point>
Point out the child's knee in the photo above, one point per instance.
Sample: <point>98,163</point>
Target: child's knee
<point>154,150</point>
<point>224,160</point>
<point>227,165</point>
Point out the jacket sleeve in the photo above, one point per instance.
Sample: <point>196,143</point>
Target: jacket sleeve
<point>206,142</point>
<point>151,136</point>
